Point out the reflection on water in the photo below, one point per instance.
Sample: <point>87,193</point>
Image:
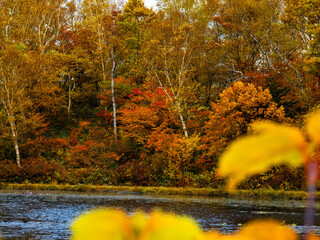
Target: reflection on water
<point>47,216</point>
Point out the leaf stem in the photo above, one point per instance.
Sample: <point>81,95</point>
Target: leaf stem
<point>310,209</point>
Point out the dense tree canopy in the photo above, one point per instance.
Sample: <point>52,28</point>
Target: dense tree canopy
<point>93,91</point>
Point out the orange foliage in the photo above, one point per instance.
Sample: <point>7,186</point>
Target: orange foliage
<point>88,147</point>
<point>177,153</point>
<point>239,105</point>
<point>147,112</point>
<point>138,122</point>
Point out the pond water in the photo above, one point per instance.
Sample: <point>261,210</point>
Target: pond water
<point>48,216</point>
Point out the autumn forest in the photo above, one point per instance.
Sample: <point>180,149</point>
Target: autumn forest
<point>104,92</point>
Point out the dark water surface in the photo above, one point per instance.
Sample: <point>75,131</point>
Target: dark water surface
<point>47,216</point>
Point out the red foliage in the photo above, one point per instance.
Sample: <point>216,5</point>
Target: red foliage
<point>66,38</point>
<point>35,170</point>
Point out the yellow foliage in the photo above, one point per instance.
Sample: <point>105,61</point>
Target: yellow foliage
<point>210,235</point>
<point>312,237</point>
<point>102,224</point>
<point>115,225</point>
<point>267,230</point>
<point>239,105</point>
<point>274,144</point>
<point>139,222</point>
<point>218,236</point>
<point>257,230</point>
<point>170,227</point>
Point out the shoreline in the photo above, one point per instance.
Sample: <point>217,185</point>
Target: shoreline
<point>162,191</point>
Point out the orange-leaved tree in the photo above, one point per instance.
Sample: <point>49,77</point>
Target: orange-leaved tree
<point>239,105</point>
<point>149,123</point>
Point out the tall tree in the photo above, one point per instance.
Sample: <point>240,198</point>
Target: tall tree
<point>99,18</point>
<point>172,56</point>
<point>238,107</point>
<point>304,16</point>
<point>16,77</point>
<point>132,23</point>
<point>33,23</point>
<point>258,25</point>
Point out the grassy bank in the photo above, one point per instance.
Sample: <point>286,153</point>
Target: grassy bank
<point>260,193</point>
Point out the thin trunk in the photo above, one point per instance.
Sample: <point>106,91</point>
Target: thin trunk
<point>114,107</point>
<point>69,98</point>
<point>103,67</point>
<point>312,177</point>
<point>15,142</point>
<point>183,124</point>
<point>176,105</point>
<point>14,131</point>
<point>264,52</point>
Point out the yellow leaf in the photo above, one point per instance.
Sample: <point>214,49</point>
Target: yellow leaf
<point>139,221</point>
<point>210,236</point>
<point>274,144</point>
<point>102,224</point>
<point>257,230</point>
<point>267,230</point>
<point>312,237</point>
<point>218,236</point>
<point>313,127</point>
<point>170,227</point>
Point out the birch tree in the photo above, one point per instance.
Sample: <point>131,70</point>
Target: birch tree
<point>33,23</point>
<point>172,56</point>
<point>15,75</point>
<point>259,24</point>
<point>99,17</point>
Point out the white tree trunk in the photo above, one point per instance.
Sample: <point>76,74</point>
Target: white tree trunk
<point>183,123</point>
<point>14,130</point>
<point>15,142</point>
<point>114,107</point>
<point>69,99</point>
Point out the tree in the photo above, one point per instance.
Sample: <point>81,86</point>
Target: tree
<point>16,77</point>
<point>99,19</point>
<point>263,41</point>
<point>34,23</point>
<point>132,24</point>
<point>304,17</point>
<point>147,120</point>
<point>239,106</point>
<point>172,56</point>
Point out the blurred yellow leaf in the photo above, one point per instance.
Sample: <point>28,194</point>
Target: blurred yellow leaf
<point>257,230</point>
<point>313,127</point>
<point>139,221</point>
<point>274,144</point>
<point>210,235</point>
<point>115,225</point>
<point>267,230</point>
<point>312,237</point>
<point>102,224</point>
<point>218,236</point>
<point>170,227</point>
